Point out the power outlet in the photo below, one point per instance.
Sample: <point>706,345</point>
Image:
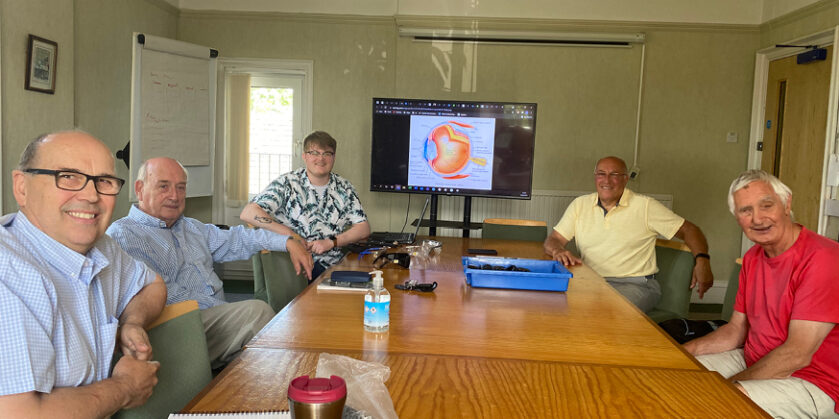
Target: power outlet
<point>634,172</point>
<point>731,137</point>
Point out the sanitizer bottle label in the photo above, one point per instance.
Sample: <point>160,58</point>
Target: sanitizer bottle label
<point>376,314</point>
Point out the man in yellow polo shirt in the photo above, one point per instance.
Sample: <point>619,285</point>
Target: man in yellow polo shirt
<point>615,231</point>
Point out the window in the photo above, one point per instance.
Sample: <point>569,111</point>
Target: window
<point>267,107</point>
<point>272,151</point>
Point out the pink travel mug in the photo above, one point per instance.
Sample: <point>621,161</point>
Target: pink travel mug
<point>317,398</point>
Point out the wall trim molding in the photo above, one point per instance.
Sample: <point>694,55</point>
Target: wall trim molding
<point>801,13</point>
<point>491,23</point>
<point>293,17</point>
<point>166,6</point>
<point>561,24</point>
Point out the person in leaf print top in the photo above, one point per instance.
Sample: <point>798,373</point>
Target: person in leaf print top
<point>314,203</point>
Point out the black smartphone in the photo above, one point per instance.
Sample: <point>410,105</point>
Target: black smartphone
<point>349,276</point>
<point>482,251</point>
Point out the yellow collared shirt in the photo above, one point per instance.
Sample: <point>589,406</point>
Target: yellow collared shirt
<point>620,243</point>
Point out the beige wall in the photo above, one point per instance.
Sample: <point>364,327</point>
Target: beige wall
<point>698,87</point>
<point>353,62</point>
<point>104,31</point>
<point>28,113</point>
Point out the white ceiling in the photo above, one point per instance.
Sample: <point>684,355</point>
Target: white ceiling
<point>750,12</point>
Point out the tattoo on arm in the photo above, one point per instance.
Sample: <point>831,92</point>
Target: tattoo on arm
<point>263,220</point>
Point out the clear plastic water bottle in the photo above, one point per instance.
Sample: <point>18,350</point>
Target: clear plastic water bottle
<point>377,306</point>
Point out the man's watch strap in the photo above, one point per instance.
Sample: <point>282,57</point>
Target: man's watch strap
<point>702,255</point>
<point>335,242</point>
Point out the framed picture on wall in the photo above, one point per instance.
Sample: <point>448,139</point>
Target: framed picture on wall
<point>41,58</point>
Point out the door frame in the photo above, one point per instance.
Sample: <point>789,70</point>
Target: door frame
<point>762,59</point>
<point>227,66</point>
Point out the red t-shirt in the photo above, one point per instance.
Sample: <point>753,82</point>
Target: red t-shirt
<point>800,284</point>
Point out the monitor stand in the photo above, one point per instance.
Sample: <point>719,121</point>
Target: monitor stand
<point>467,216</point>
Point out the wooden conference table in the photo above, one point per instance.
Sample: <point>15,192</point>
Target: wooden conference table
<point>477,352</point>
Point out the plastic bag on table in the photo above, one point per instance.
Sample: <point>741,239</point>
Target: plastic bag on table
<point>366,389</point>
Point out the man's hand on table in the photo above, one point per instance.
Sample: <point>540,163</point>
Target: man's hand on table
<point>565,257</point>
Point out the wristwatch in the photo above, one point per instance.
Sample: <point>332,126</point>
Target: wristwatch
<point>334,242</point>
<point>702,255</point>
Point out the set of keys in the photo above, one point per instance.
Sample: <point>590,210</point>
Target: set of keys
<point>411,285</point>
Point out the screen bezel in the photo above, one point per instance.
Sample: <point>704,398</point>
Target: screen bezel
<point>492,193</point>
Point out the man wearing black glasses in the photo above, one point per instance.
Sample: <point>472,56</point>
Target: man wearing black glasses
<point>68,293</point>
<point>615,231</point>
<point>314,203</point>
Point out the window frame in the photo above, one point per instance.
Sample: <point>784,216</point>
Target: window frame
<point>256,68</point>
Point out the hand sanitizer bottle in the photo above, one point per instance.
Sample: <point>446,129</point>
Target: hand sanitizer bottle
<point>377,306</point>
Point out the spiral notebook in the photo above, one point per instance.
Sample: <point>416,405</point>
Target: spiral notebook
<point>257,415</point>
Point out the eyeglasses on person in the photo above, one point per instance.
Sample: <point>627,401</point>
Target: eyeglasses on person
<point>327,154</point>
<point>613,175</point>
<point>72,180</point>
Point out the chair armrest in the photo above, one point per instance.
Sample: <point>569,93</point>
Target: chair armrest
<point>673,244</point>
<point>173,310</point>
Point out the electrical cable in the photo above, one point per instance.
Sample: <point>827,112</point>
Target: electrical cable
<point>408,209</point>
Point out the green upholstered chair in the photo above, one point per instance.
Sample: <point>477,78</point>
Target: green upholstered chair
<point>178,341</point>
<point>510,229</point>
<point>675,270</point>
<point>274,279</point>
<point>731,291</point>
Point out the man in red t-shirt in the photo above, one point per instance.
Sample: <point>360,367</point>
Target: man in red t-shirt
<point>781,347</point>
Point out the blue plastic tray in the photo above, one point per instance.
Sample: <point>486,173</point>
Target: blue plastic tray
<point>544,275</point>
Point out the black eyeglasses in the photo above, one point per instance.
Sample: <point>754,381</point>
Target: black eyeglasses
<point>401,259</point>
<point>612,176</point>
<point>72,180</point>
<point>316,154</point>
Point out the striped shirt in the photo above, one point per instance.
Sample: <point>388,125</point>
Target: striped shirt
<point>294,202</point>
<point>59,309</point>
<point>184,254</point>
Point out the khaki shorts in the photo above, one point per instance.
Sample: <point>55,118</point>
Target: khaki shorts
<point>782,398</point>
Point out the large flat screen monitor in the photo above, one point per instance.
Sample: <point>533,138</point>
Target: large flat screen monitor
<point>450,147</point>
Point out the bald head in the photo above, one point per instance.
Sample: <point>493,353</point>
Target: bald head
<point>613,161</point>
<point>161,189</point>
<point>78,137</point>
<point>610,180</point>
<point>75,219</point>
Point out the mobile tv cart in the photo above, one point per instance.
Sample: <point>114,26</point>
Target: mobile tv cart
<point>432,223</point>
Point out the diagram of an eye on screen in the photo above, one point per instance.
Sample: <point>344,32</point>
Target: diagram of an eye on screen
<point>452,150</point>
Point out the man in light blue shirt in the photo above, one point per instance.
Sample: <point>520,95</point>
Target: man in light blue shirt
<point>68,293</point>
<point>183,251</point>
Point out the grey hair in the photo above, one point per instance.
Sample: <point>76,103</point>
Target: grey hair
<point>755,175</point>
<point>31,150</point>
<point>141,172</point>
